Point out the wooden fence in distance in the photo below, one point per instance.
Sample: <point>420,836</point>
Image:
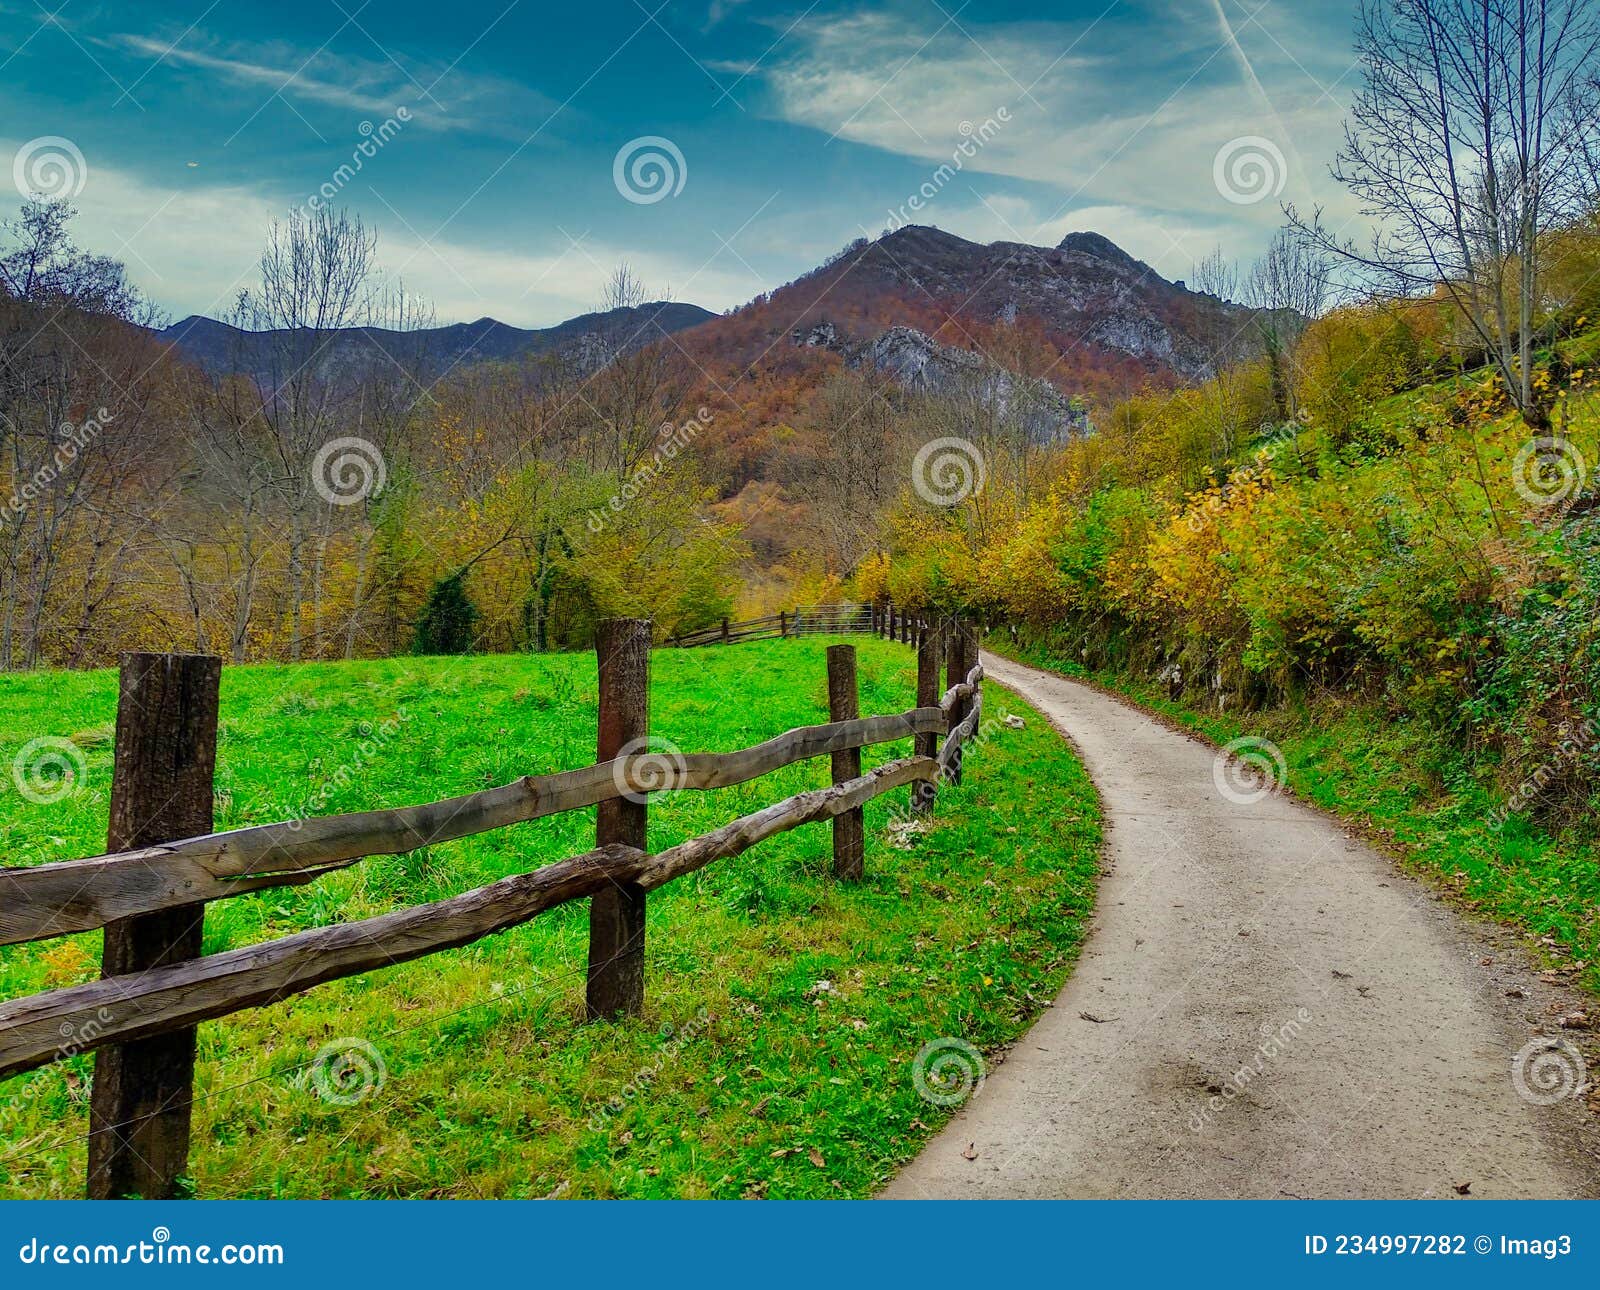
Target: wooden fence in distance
<point>813,620</point>
<point>163,864</point>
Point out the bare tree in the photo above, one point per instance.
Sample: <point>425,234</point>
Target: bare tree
<point>316,284</point>
<point>75,376</point>
<point>1287,287</point>
<point>1464,147</point>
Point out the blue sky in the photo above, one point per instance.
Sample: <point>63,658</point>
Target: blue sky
<point>800,126</point>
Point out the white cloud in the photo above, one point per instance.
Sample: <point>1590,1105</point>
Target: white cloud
<point>1101,114</point>
<point>440,97</point>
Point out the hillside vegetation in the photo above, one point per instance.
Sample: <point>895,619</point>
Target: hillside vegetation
<point>1399,582</point>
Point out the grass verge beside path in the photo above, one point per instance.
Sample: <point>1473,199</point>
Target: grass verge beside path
<point>784,1010</point>
<point>1392,781</point>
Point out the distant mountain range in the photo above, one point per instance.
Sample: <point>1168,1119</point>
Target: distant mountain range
<point>1108,322</point>
<point>219,346</point>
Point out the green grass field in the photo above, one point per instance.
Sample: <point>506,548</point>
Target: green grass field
<point>784,1010</point>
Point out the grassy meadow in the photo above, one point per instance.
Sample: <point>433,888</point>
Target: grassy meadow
<point>784,1011</point>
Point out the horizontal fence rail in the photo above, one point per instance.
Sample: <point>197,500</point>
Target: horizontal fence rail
<point>886,620</point>
<point>79,895</point>
<point>157,987</point>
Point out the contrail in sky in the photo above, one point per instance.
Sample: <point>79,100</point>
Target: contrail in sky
<point>1254,81</point>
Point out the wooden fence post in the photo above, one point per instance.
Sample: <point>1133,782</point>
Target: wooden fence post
<point>962,652</point>
<point>161,790</point>
<point>783,624</point>
<point>724,631</point>
<point>930,652</point>
<point>849,829</point>
<point>891,620</point>
<point>616,915</point>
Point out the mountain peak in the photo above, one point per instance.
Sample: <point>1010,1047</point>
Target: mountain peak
<point>1100,247</point>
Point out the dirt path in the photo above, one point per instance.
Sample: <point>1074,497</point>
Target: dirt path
<point>1278,1012</point>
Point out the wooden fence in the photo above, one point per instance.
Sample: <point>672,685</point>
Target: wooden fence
<point>164,863</point>
<point>811,620</point>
